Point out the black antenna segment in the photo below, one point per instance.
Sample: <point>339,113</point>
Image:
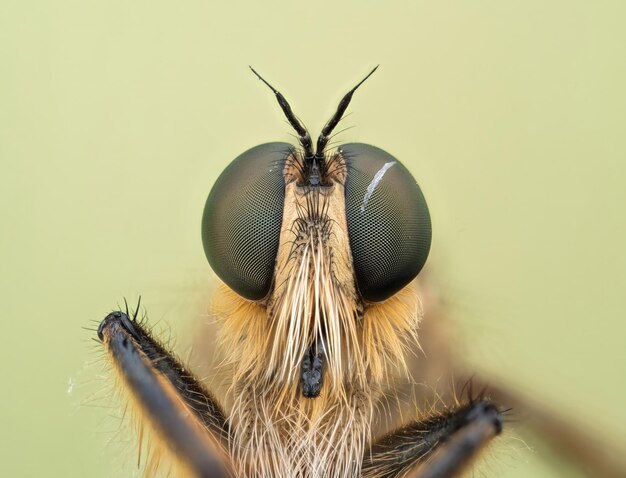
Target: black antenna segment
<point>341,109</point>
<point>303,135</point>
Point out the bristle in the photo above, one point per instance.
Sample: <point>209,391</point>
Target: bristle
<point>390,333</point>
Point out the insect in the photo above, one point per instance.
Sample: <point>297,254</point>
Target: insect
<point>317,251</point>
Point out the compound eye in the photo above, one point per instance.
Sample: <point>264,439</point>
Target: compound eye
<point>388,221</point>
<point>242,219</point>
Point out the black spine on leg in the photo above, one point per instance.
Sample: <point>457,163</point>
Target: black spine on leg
<point>437,447</point>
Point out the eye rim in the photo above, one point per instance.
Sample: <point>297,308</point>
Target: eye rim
<point>420,222</point>
<point>230,248</point>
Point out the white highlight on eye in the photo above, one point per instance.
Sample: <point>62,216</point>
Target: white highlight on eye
<point>378,177</point>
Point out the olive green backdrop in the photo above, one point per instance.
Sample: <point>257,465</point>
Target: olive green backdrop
<point>116,117</point>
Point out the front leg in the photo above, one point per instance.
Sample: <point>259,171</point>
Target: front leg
<point>181,410</point>
<point>438,447</point>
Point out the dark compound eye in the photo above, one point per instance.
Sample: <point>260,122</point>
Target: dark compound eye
<point>242,219</point>
<point>388,221</point>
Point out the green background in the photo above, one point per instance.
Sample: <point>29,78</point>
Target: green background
<point>116,117</point>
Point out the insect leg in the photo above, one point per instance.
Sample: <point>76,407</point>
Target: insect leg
<point>592,453</point>
<point>438,447</point>
<point>576,442</point>
<point>181,410</point>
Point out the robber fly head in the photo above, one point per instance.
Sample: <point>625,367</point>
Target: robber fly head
<point>315,237</point>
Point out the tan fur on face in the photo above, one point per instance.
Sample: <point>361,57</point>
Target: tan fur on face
<point>277,431</point>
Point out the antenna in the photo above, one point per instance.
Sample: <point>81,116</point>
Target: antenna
<point>303,135</point>
<point>332,122</point>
